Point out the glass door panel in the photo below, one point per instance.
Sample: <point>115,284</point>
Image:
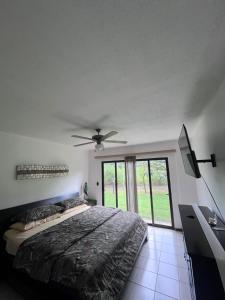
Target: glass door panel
<point>109,188</point>
<point>143,190</point>
<point>160,192</point>
<point>154,201</point>
<point>121,185</point>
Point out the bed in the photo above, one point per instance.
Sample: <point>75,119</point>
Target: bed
<point>85,254</point>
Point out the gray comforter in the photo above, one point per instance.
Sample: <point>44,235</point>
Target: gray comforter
<point>92,252</point>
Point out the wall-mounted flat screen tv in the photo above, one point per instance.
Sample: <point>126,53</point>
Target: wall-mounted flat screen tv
<point>188,155</point>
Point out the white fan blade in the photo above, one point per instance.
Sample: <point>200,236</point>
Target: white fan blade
<point>83,144</point>
<point>106,136</point>
<point>119,142</point>
<point>81,137</point>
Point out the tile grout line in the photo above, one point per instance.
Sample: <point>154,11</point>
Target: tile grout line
<point>159,250</point>
<point>155,291</point>
<point>141,285</point>
<point>172,298</point>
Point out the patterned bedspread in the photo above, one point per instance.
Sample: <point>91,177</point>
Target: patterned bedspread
<point>92,253</point>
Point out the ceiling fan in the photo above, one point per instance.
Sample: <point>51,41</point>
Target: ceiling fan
<point>98,139</point>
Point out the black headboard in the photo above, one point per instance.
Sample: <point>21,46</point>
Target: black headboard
<point>8,213</point>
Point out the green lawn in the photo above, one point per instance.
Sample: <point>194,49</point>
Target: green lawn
<point>161,205</point>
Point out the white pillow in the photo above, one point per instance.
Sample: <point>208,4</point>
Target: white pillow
<point>24,227</point>
<point>76,208</point>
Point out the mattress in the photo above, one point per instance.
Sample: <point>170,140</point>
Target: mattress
<point>15,238</point>
<point>90,254</point>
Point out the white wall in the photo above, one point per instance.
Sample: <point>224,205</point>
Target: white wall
<point>183,187</point>
<point>209,137</point>
<point>15,149</point>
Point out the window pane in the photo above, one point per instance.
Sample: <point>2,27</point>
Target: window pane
<point>121,185</point>
<point>160,193</point>
<point>143,190</point>
<point>109,185</point>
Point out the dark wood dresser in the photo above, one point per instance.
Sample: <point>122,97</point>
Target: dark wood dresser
<point>204,276</point>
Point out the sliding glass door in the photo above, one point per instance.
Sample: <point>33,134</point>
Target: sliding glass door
<point>110,185</point>
<point>143,190</point>
<point>161,195</point>
<point>153,191</point>
<point>154,202</point>
<point>114,184</point>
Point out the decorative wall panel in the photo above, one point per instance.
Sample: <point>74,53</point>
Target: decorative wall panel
<point>33,171</point>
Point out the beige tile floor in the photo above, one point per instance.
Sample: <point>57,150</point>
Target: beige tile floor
<point>160,272</point>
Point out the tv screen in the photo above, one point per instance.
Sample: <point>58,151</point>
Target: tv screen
<point>188,155</point>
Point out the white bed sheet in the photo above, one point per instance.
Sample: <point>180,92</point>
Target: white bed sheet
<point>15,238</point>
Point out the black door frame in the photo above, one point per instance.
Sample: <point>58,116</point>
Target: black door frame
<point>150,187</point>
<point>169,190</point>
<point>116,186</point>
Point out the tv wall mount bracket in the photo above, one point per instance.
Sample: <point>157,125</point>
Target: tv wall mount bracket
<point>212,160</point>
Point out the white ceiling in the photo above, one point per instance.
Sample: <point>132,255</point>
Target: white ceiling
<point>140,67</point>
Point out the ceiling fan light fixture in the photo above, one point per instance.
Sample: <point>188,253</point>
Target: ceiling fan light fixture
<point>98,139</point>
<point>99,147</point>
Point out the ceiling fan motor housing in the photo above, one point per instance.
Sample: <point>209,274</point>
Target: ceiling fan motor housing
<point>97,138</point>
